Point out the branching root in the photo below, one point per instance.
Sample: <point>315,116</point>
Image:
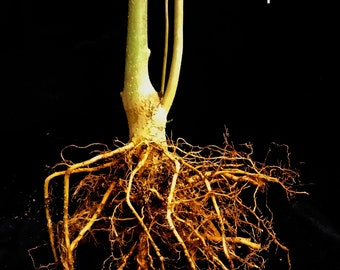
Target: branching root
<point>151,206</point>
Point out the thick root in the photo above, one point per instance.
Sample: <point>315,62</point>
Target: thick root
<point>157,207</point>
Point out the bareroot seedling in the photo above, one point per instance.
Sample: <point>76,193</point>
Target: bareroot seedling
<point>155,203</point>
<point>165,207</point>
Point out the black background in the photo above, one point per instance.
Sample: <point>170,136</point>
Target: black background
<point>266,72</point>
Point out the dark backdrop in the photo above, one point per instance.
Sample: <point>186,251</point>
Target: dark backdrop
<point>266,72</point>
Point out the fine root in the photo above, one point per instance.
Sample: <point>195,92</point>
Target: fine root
<point>152,206</point>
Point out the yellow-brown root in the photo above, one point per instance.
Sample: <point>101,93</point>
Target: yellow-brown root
<point>163,207</point>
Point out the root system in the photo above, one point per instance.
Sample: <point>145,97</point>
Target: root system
<point>179,206</point>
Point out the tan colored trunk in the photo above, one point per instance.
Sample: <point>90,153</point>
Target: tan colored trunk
<point>145,108</point>
<point>146,116</point>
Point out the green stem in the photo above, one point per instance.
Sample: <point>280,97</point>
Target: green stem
<point>146,111</point>
<point>137,51</point>
<point>145,115</point>
<point>176,62</point>
<point>166,43</point>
